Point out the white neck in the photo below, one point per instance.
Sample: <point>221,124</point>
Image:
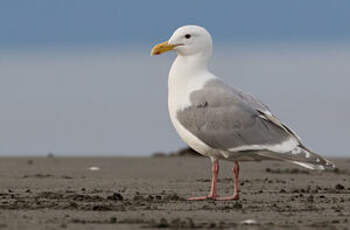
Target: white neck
<point>185,68</point>
<point>187,73</point>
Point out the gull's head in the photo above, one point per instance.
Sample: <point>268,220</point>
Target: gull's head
<point>186,41</point>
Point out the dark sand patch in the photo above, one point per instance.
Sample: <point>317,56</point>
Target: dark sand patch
<point>149,193</point>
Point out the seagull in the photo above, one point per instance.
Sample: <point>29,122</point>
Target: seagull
<point>221,122</point>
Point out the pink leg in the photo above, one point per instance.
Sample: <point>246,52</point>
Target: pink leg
<point>215,172</point>
<point>235,195</point>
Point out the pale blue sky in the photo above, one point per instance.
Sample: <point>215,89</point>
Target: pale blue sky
<point>77,78</point>
<point>79,22</point>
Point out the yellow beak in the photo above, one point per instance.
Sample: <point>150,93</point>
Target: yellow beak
<point>161,48</point>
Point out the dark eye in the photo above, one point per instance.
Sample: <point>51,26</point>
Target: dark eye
<point>188,36</point>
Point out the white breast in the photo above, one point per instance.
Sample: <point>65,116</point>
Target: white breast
<point>180,86</point>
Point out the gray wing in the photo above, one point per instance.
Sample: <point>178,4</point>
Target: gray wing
<point>247,98</point>
<point>226,118</point>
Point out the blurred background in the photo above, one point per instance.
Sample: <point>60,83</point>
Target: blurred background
<point>76,77</point>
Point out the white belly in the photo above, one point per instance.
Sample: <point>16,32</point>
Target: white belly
<point>190,139</point>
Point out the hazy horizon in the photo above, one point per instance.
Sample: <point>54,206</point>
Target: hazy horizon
<point>108,101</point>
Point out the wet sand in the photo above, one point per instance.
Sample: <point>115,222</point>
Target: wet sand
<point>150,192</point>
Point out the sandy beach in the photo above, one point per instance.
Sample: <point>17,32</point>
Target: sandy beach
<point>150,192</point>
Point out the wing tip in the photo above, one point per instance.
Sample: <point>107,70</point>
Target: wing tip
<point>326,165</point>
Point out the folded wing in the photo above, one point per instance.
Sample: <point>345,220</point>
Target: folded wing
<point>233,121</point>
